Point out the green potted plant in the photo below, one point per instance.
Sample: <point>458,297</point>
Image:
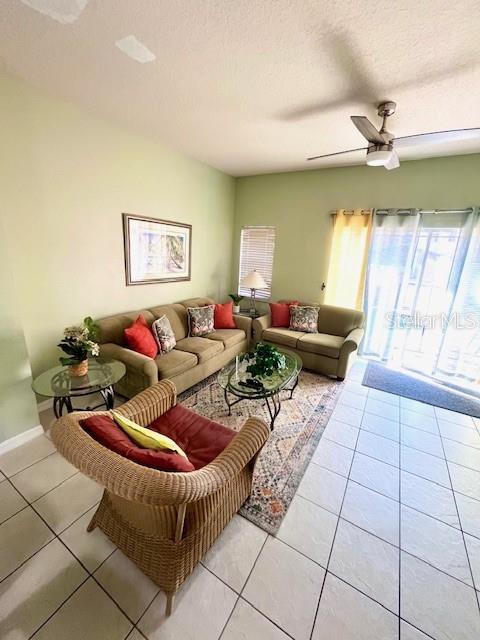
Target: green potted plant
<point>236,301</point>
<point>265,360</point>
<point>78,343</point>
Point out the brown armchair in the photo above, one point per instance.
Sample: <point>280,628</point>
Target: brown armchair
<point>164,522</point>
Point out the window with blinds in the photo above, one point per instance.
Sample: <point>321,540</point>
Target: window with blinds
<point>257,246</point>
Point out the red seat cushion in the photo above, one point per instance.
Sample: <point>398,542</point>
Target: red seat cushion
<point>139,338</point>
<point>202,439</point>
<point>223,316</point>
<point>280,313</point>
<point>104,430</point>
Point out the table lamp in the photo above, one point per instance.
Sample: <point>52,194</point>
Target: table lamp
<point>253,281</point>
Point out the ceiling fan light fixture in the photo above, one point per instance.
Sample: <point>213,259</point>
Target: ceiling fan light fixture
<point>379,157</point>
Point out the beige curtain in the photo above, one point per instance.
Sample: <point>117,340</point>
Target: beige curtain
<point>348,258</point>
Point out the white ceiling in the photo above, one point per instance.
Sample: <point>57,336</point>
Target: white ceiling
<point>257,86</point>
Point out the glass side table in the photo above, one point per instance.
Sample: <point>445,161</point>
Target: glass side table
<point>58,384</point>
<point>232,380</point>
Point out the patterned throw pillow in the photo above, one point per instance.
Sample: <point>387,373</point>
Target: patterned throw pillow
<point>200,320</point>
<point>163,334</point>
<point>304,319</point>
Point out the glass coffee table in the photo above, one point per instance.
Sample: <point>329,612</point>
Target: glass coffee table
<point>58,384</point>
<point>233,376</point>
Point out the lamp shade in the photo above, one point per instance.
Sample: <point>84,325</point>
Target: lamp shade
<point>253,280</point>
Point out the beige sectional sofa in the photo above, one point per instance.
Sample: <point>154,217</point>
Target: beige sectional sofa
<point>192,360</point>
<point>330,351</point>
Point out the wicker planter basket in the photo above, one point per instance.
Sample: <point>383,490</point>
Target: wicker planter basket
<point>78,370</point>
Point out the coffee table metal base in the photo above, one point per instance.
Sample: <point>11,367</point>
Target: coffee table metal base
<point>65,402</point>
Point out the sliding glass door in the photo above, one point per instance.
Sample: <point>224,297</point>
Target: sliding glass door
<point>423,294</point>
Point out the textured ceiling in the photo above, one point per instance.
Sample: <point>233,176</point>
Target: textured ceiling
<point>256,86</point>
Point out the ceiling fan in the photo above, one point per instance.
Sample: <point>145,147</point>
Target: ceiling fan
<point>382,145</point>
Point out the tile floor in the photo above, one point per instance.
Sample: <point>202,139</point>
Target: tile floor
<point>381,542</point>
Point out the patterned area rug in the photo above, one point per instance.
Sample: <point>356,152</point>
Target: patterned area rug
<point>285,456</point>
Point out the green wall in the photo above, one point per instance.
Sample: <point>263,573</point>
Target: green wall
<point>298,205</point>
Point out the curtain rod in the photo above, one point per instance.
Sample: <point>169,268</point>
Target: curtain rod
<point>405,212</point>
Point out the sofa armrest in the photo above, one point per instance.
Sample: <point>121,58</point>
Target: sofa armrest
<point>259,325</point>
<point>350,344</point>
<point>245,324</point>
<point>135,362</point>
<point>151,403</point>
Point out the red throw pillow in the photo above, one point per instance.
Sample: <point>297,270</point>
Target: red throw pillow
<point>223,316</point>
<point>104,430</point>
<point>139,338</point>
<point>280,313</point>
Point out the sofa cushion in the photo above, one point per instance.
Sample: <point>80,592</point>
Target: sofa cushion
<point>339,321</point>
<point>200,320</point>
<point>229,337</point>
<point>280,313</point>
<point>174,363</point>
<point>104,430</point>
<point>139,338</point>
<point>177,316</point>
<point>304,319</point>
<point>223,316</point>
<point>321,343</point>
<point>163,333</point>
<point>145,437</point>
<point>202,439</point>
<point>203,348</point>
<point>286,337</point>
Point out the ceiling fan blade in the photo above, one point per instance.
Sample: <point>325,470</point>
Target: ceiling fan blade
<point>338,153</point>
<point>367,130</point>
<point>437,136</point>
<point>393,163</point>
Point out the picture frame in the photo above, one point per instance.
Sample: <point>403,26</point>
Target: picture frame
<point>156,250</point>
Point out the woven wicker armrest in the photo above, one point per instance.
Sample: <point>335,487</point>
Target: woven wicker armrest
<point>151,403</point>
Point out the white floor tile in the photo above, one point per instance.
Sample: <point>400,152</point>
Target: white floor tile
<point>382,409</point>
<point>43,476</point>
<point>355,387</point>
<point>375,475</point>
<point>453,416</point>
<point>458,433</point>
<point>131,589</point>
<point>473,549</point>
<point>443,607</point>
<point>26,454</point>
<point>348,415</point>
<point>465,480</point>
<point>202,607</point>
<point>20,537</point>
<point>341,433</point>
<point>367,563</point>
<point>436,543</point>
<point>429,498</point>
<point>422,441</point>
<point>10,500</point>
<point>309,529</point>
<point>381,426</point>
<point>89,613</point>
<point>323,487</point>
<point>462,455</point>
<point>420,421</point>
<point>372,511</point>
<point>347,614</point>
<point>67,502</point>
<point>424,465</point>
<point>415,405</point>
<point>285,586</point>
<point>31,594</point>
<point>469,511</point>
<point>234,553</point>
<point>407,632</point>
<point>352,400</point>
<point>383,396</point>
<point>379,447</point>
<point>93,547</point>
<point>332,456</point>
<point>246,623</point>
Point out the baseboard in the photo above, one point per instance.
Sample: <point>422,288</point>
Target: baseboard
<point>16,441</point>
<point>44,405</point>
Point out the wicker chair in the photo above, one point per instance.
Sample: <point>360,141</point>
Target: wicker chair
<point>164,522</point>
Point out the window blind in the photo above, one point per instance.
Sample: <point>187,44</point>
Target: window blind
<point>257,246</point>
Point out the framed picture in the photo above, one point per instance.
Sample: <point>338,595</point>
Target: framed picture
<point>156,250</point>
